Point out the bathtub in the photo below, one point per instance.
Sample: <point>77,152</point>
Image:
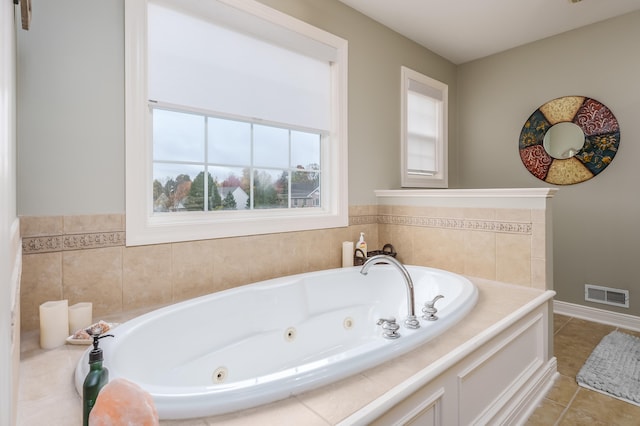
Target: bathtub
<point>262,342</point>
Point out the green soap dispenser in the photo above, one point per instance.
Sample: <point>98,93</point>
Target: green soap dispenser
<point>97,377</point>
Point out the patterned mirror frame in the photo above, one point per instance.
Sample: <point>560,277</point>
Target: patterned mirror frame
<point>602,138</point>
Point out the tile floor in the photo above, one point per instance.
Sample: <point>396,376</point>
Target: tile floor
<point>569,404</point>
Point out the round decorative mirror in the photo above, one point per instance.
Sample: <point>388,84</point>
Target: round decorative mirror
<point>569,140</point>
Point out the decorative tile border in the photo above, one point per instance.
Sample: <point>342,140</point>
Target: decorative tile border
<point>66,242</point>
<point>56,243</point>
<point>458,223</point>
<point>363,220</point>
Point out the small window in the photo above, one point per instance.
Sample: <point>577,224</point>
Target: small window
<point>424,131</point>
<point>235,122</point>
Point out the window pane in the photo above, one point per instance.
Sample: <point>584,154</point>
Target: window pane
<point>422,131</point>
<point>270,146</point>
<point>229,141</point>
<point>270,189</point>
<point>178,136</point>
<point>233,185</point>
<point>305,150</point>
<point>203,195</point>
<point>305,189</point>
<point>172,185</point>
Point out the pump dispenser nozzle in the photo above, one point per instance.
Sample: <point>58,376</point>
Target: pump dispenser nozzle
<point>96,352</point>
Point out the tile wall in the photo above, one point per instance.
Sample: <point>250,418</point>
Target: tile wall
<point>84,258</point>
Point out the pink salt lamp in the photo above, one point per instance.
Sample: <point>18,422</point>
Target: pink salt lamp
<point>122,402</point>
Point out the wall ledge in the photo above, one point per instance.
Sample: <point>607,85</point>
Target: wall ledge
<point>519,198</point>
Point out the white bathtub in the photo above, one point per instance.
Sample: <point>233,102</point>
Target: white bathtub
<point>266,341</point>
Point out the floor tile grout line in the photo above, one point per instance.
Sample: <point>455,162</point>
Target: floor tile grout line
<point>564,412</point>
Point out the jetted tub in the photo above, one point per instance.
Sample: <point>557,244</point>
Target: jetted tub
<point>266,341</point>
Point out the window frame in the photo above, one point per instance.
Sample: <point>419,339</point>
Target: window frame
<point>144,227</point>
<point>440,178</point>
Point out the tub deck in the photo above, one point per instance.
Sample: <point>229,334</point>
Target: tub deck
<point>47,394</point>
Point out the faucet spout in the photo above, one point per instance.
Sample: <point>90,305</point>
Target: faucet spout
<point>411,321</point>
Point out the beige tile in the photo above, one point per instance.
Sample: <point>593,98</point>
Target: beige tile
<point>539,274</point>
<point>294,251</point>
<point>538,216</point>
<point>513,258</point>
<point>480,254</point>
<point>439,248</point>
<point>59,409</point>
<point>146,276</point>
<point>480,214</point>
<point>401,237</point>
<point>559,321</point>
<point>36,370</point>
<point>41,282</point>
<point>563,390</point>
<point>601,409</point>
<point>339,400</point>
<point>36,226</point>
<point>538,241</point>
<point>192,269</point>
<point>547,413</point>
<point>94,276</point>
<point>514,215</point>
<point>184,422</point>
<point>93,223</point>
<point>383,209</point>
<point>285,413</point>
<point>232,260</point>
<point>575,341</point>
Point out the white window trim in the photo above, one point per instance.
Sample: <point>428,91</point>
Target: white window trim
<point>441,178</point>
<point>143,227</point>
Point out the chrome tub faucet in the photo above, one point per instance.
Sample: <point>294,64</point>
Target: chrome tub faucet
<point>412,320</point>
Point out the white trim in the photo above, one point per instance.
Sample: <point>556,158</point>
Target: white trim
<point>626,321</point>
<point>441,177</point>
<point>531,394</point>
<point>516,198</point>
<point>142,227</point>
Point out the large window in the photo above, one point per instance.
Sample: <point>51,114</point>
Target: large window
<point>206,163</point>
<point>236,122</point>
<point>424,131</point>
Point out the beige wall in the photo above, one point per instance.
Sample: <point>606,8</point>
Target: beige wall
<point>596,232</point>
<point>83,259</point>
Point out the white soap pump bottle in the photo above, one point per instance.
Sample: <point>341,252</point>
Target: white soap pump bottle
<point>362,244</point>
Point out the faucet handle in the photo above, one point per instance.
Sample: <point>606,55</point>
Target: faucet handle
<point>390,328</point>
<point>429,309</point>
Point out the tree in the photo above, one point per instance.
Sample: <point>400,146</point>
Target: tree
<point>264,192</point>
<point>157,189</point>
<point>231,181</point>
<point>195,200</point>
<point>229,202</point>
<point>282,189</point>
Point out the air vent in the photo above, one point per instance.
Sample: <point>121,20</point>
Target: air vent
<point>606,295</point>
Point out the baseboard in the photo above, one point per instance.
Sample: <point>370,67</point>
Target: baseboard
<point>530,395</point>
<point>629,322</point>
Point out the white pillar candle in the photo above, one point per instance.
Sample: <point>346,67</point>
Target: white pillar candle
<point>347,254</point>
<point>54,323</point>
<point>80,316</point>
